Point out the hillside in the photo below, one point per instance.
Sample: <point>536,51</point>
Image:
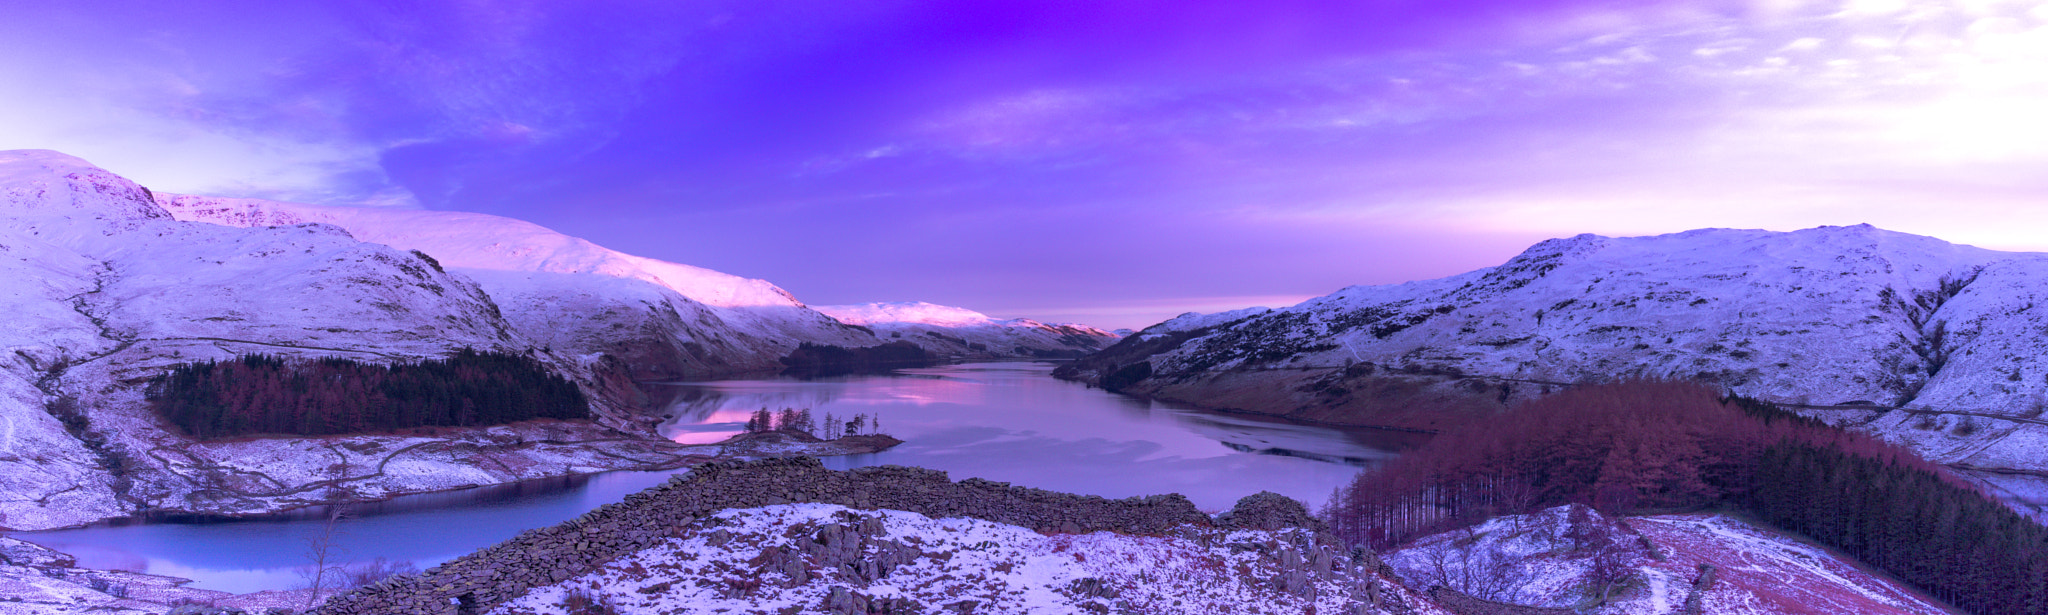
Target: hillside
<point>105,289</point>
<point>109,284</point>
<point>665,320</point>
<point>1930,344</point>
<point>1554,559</point>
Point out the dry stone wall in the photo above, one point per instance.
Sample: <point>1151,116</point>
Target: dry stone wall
<point>486,578</point>
<point>1465,604</point>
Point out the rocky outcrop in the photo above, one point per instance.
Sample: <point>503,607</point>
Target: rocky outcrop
<point>543,556</point>
<point>1266,510</point>
<point>1695,597</point>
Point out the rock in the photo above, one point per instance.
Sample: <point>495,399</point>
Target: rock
<point>843,601</point>
<point>1269,511</point>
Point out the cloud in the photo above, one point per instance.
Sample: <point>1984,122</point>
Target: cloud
<point>181,154</point>
<point>1277,149</point>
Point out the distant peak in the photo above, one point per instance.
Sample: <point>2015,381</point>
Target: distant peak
<point>904,311</point>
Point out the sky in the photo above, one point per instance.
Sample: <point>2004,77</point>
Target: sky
<point>1107,162</point>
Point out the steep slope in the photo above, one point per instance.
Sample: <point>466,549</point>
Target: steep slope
<point>667,321</point>
<point>960,332</point>
<point>1935,345</point>
<point>104,289</point>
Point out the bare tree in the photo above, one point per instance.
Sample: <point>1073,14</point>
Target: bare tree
<point>323,556</point>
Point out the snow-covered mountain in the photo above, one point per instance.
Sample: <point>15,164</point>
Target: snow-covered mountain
<point>666,320</point>
<point>104,289</point>
<point>1940,346</point>
<point>960,332</point>
<point>108,284</point>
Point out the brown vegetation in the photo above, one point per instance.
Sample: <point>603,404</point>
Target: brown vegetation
<point>259,394</point>
<point>1654,445</point>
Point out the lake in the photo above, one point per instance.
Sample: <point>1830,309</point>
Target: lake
<point>1008,422</point>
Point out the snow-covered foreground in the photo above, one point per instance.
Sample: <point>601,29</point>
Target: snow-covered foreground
<point>39,581</point>
<point>820,558</point>
<point>1551,558</point>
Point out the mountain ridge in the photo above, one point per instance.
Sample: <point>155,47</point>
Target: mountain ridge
<point>961,332</point>
<point>1934,345</point>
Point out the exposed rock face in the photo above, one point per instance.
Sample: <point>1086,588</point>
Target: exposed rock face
<point>1930,344</point>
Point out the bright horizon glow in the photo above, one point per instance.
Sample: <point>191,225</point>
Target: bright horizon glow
<point>1110,164</point>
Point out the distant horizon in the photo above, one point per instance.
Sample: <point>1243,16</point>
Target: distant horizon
<point>1108,164</point>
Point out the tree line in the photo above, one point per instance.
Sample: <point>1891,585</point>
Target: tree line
<point>1648,446</point>
<point>262,394</point>
<point>812,360</point>
<point>791,419</point>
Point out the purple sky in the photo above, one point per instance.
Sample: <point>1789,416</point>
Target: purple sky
<point>1106,162</point>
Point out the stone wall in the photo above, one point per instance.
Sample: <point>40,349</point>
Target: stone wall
<point>1465,604</point>
<point>478,581</point>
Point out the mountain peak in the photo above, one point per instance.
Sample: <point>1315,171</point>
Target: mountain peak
<point>40,183</point>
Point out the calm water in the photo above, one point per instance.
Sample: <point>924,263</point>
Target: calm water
<point>1001,421</point>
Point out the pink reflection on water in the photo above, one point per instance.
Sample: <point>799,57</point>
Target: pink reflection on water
<point>719,424</point>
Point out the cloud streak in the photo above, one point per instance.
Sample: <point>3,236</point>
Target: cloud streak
<point>1047,156</point>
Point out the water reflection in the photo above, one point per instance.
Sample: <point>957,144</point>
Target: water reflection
<point>1013,422</point>
<point>1007,422</point>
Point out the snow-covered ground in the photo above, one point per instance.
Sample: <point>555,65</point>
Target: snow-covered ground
<point>960,332</point>
<point>38,581</point>
<point>1196,320</point>
<point>820,558</point>
<point>1538,560</point>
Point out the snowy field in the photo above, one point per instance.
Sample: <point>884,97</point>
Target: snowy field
<point>771,560</point>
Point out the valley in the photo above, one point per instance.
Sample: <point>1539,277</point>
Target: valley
<point>1204,464</point>
<point>1924,343</point>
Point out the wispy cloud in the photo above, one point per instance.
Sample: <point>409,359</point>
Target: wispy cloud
<point>1065,155</point>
